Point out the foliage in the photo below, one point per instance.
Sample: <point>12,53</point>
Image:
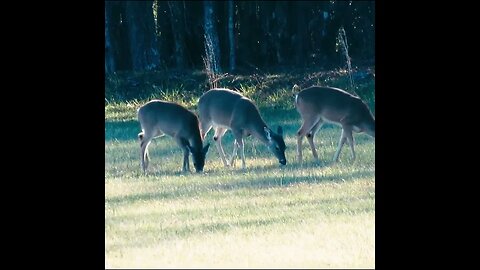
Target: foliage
<point>270,89</point>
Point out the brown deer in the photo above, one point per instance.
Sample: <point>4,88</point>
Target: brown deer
<point>225,109</point>
<point>158,118</point>
<point>317,105</point>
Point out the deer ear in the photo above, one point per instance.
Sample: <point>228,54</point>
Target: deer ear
<point>280,131</point>
<point>267,133</point>
<point>205,149</point>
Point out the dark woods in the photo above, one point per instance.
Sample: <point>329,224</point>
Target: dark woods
<point>239,35</point>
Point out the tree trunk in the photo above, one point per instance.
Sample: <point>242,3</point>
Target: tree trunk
<point>279,32</point>
<point>333,23</point>
<point>231,35</point>
<point>211,37</point>
<point>141,28</point>
<point>178,30</point>
<point>301,33</point>
<point>165,35</point>
<point>109,53</point>
<point>265,32</point>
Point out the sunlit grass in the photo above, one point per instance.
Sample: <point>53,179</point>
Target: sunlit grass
<point>319,215</point>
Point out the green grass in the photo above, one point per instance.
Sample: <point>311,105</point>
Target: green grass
<point>319,215</point>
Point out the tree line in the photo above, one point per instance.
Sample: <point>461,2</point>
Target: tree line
<point>233,36</point>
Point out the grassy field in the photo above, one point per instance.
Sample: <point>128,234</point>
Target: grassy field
<point>319,215</point>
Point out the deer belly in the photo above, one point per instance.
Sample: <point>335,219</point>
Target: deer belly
<point>169,129</point>
<point>220,125</point>
<point>332,116</point>
<point>356,129</point>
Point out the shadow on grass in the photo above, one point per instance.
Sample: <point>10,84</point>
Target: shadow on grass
<point>122,131</point>
<point>128,130</point>
<point>276,169</point>
<point>279,181</point>
<point>262,182</point>
<point>300,211</point>
<point>146,236</point>
<point>146,197</point>
<point>154,172</point>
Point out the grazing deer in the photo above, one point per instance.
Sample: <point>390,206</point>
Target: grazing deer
<point>225,109</point>
<point>158,118</point>
<point>317,105</point>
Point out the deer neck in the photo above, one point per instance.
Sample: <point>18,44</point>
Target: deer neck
<point>258,131</point>
<point>196,141</point>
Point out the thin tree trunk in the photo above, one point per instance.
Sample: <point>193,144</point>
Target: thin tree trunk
<point>211,37</point>
<point>143,45</point>
<point>279,33</point>
<point>178,30</point>
<point>231,35</point>
<point>165,35</point>
<point>301,33</point>
<point>109,53</point>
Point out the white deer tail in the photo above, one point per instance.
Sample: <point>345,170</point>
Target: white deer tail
<point>295,90</point>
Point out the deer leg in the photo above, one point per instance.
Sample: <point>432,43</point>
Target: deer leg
<point>307,126</point>
<point>219,132</point>
<point>239,141</point>
<point>234,154</point>
<point>205,127</point>
<point>351,142</point>
<point>299,149</point>
<point>343,138</point>
<point>242,151</point>
<point>186,161</point>
<point>186,153</point>
<point>311,135</point>
<point>145,139</point>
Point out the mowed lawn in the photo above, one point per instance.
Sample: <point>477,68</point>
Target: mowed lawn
<point>319,215</point>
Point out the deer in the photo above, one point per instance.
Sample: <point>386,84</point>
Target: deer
<point>158,118</point>
<point>225,109</point>
<point>318,105</point>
